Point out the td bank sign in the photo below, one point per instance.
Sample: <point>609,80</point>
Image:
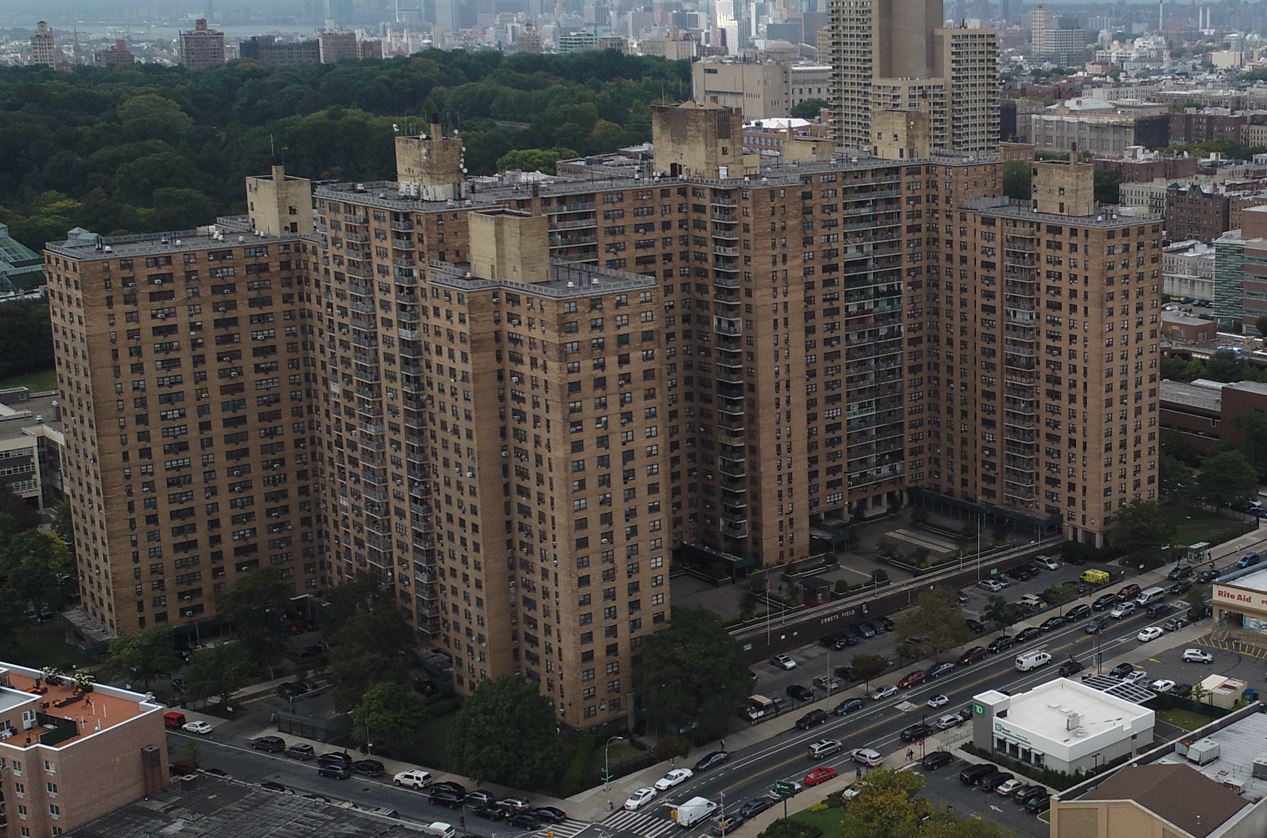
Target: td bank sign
<point>1003,730</point>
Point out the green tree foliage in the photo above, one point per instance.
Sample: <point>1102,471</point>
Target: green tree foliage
<point>1226,478</point>
<point>889,806</point>
<point>1251,425</point>
<point>692,672</point>
<point>35,564</point>
<point>1016,179</point>
<point>1107,185</point>
<point>1223,366</point>
<point>1177,479</point>
<point>506,733</point>
<point>99,147</point>
<point>533,159</point>
<point>868,667</point>
<point>934,625</point>
<point>372,647</point>
<point>219,672</point>
<point>1196,601</point>
<point>256,608</point>
<point>146,656</point>
<point>388,713</point>
<point>1141,529</point>
<point>26,336</point>
<point>1002,612</point>
<point>809,109</point>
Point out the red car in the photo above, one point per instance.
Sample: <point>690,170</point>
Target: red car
<point>1128,593</point>
<point>973,655</point>
<point>913,679</point>
<point>820,775</point>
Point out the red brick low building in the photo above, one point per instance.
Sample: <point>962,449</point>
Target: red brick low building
<point>1201,412</point>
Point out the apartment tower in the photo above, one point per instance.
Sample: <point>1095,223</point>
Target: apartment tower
<point>202,47</point>
<point>44,49</point>
<point>898,56</point>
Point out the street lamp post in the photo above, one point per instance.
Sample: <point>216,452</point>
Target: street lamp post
<point>607,774</point>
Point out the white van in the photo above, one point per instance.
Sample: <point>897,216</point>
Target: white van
<point>440,829</point>
<point>1032,660</point>
<point>693,811</point>
<point>1149,595</point>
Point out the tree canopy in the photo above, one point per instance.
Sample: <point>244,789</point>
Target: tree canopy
<point>692,673</point>
<point>934,625</point>
<point>809,109</point>
<point>256,607</point>
<point>506,733</point>
<point>145,656</point>
<point>889,806</point>
<point>1226,478</point>
<point>131,149</point>
<point>1142,530</point>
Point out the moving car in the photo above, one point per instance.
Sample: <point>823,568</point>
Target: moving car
<point>200,728</point>
<point>1000,644</point>
<point>1122,609</point>
<point>1028,633</point>
<point>938,700</point>
<point>866,756</point>
<point>712,760</point>
<point>1096,625</point>
<point>1078,612</point>
<point>1181,571</point>
<point>1071,666</point>
<point>1197,656</point>
<point>940,670</point>
<point>949,721</point>
<point>549,814</point>
<point>525,821</point>
<point>1128,592</point>
<point>414,778</point>
<point>883,692</point>
<point>823,748</point>
<point>639,798</point>
<point>1179,588</point>
<point>936,759</point>
<point>1248,560</point>
<point>820,775</point>
<point>849,705</point>
<point>755,806</point>
<point>268,744</point>
<point>783,661</point>
<point>675,777</point>
<point>1149,633</point>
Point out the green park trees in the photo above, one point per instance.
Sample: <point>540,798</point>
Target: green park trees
<point>506,733</point>
<point>934,625</point>
<point>144,657</point>
<point>1142,529</point>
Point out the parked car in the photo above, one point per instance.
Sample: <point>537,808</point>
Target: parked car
<point>974,626</point>
<point>1179,588</point>
<point>813,718</point>
<point>1176,622</point>
<point>865,630</point>
<point>783,661</point>
<point>1128,592</point>
<point>1047,563</point>
<point>489,811</point>
<point>1038,803</point>
<point>1162,686</point>
<point>448,798</point>
<point>1104,602</point>
<point>333,768</point>
<point>961,596</point>
<point>1007,787</point>
<point>882,692</point>
<point>1136,677</point>
<point>525,821</point>
<point>991,585</point>
<point>973,773</point>
<point>973,655</point>
<point>369,767</point>
<point>268,744</point>
<point>1121,670</point>
<point>755,806</point>
<point>849,705</point>
<point>912,679</point>
<point>1094,577</point>
<point>639,798</point>
<point>1149,633</point>
<point>674,778</point>
<point>456,788</point>
<point>949,721</point>
<point>821,774</point>
<point>800,692</point>
<point>1025,793</point>
<point>1051,623</point>
<point>197,727</point>
<point>916,732</point>
<point>866,756</point>
<point>514,804</point>
<point>1180,571</point>
<point>1197,656</point>
<point>941,670</point>
<point>481,797</point>
<point>301,750</point>
<point>1000,644</point>
<point>1095,626</point>
<point>826,684</point>
<point>936,759</point>
<point>549,814</point>
<point>883,624</point>
<point>1078,612</point>
<point>991,782</point>
<point>1028,633</point>
<point>414,778</point>
<point>711,760</point>
<point>725,824</point>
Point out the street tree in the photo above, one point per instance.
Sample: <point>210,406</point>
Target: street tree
<point>1177,479</point>
<point>373,647</point>
<point>256,607</point>
<point>809,108</point>
<point>1142,529</point>
<point>692,673</point>
<point>219,672</point>
<point>506,733</point>
<point>1224,365</point>
<point>934,625</point>
<point>1062,593</point>
<point>146,656</point>
<point>887,807</point>
<point>1226,478</point>
<point>1251,425</point>
<point>867,667</point>
<point>37,567</point>
<point>388,713</point>
<point>1196,602</point>
<point>1002,612</point>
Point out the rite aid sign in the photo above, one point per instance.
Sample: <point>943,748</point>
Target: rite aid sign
<point>1240,597</point>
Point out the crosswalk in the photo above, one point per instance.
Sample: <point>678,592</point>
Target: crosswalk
<point>570,828</point>
<point>648,824</point>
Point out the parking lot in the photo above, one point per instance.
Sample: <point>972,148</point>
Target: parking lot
<point>943,787</point>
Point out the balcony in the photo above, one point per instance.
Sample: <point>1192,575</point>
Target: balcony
<point>735,529</point>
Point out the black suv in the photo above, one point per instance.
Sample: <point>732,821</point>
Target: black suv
<point>813,718</point>
<point>1071,666</point>
<point>936,759</point>
<point>1051,623</point>
<point>1104,602</point>
<point>712,760</point>
<point>970,775</point>
<point>999,644</point>
<point>1028,633</point>
<point>800,692</point>
<point>865,630</point>
<point>337,769</point>
<point>445,797</point>
<point>1078,612</point>
<point>992,781</point>
<point>1182,571</point>
<point>269,744</point>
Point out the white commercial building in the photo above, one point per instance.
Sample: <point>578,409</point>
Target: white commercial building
<point>1063,725</point>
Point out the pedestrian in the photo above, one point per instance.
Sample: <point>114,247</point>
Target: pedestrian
<point>858,773</point>
<point>722,744</point>
<point>910,754</point>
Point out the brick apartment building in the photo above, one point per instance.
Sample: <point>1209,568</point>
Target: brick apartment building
<point>475,369</point>
<point>1203,127</point>
<point>201,47</point>
<point>68,756</point>
<point>1195,211</point>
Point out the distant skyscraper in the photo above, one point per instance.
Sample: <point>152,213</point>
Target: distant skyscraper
<point>898,56</point>
<point>44,46</point>
<point>201,48</point>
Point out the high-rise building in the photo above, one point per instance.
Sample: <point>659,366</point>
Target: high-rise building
<point>510,403</point>
<point>898,56</point>
<point>44,46</point>
<point>757,89</point>
<point>202,47</point>
<point>73,753</point>
<point>116,56</point>
<point>271,50</point>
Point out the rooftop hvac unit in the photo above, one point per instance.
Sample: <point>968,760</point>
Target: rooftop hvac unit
<point>1260,768</point>
<point>1203,751</point>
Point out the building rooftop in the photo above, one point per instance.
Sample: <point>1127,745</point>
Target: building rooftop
<point>1249,578</point>
<point>1048,708</point>
<point>67,714</point>
<point>1180,318</point>
<point>566,280</point>
<point>1179,794</point>
<point>19,413</point>
<point>1239,745</point>
<point>214,806</point>
<point>1108,217</point>
<point>226,232</point>
<point>1191,395</point>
